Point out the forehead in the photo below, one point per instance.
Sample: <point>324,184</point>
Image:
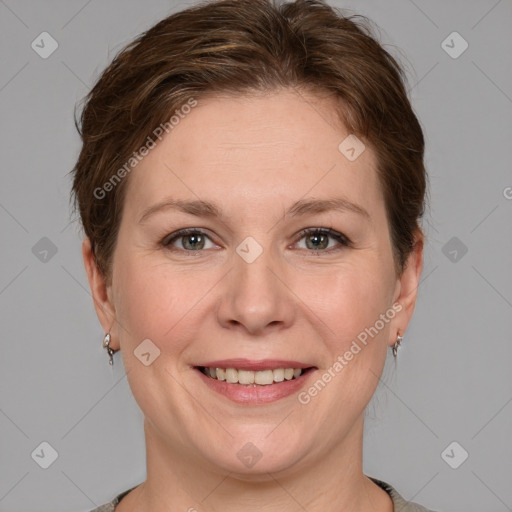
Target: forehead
<point>255,149</point>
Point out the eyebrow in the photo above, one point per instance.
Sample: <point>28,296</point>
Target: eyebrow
<point>201,208</point>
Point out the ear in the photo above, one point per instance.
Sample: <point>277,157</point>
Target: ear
<point>101,293</point>
<point>406,290</point>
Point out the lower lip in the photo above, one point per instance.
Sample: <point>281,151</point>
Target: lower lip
<point>256,394</point>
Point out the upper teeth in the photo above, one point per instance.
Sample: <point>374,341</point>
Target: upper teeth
<point>263,377</point>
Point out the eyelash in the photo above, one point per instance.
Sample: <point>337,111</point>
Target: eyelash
<point>339,237</point>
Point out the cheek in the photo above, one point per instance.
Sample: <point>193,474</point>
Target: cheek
<point>150,301</point>
<point>347,297</point>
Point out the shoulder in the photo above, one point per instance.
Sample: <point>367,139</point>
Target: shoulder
<point>111,505</point>
<point>108,507</point>
<point>400,504</point>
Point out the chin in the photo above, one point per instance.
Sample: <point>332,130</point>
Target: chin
<point>254,460</point>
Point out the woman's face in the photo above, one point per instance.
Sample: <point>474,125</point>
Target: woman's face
<point>287,264</point>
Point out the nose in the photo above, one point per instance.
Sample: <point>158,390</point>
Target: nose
<point>255,298</point>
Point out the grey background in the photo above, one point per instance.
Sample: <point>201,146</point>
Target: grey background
<point>452,379</point>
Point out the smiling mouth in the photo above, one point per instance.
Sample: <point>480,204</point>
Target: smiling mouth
<point>253,378</point>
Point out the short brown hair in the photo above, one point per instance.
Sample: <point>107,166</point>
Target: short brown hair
<point>237,47</point>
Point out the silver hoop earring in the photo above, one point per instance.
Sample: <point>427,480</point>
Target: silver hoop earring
<point>397,344</point>
<point>106,345</point>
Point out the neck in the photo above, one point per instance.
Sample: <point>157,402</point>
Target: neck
<point>327,483</point>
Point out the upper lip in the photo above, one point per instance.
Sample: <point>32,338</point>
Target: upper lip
<point>255,364</point>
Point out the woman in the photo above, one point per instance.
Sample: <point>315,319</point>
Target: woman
<point>250,185</point>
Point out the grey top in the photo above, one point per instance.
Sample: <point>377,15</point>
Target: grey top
<point>400,504</point>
